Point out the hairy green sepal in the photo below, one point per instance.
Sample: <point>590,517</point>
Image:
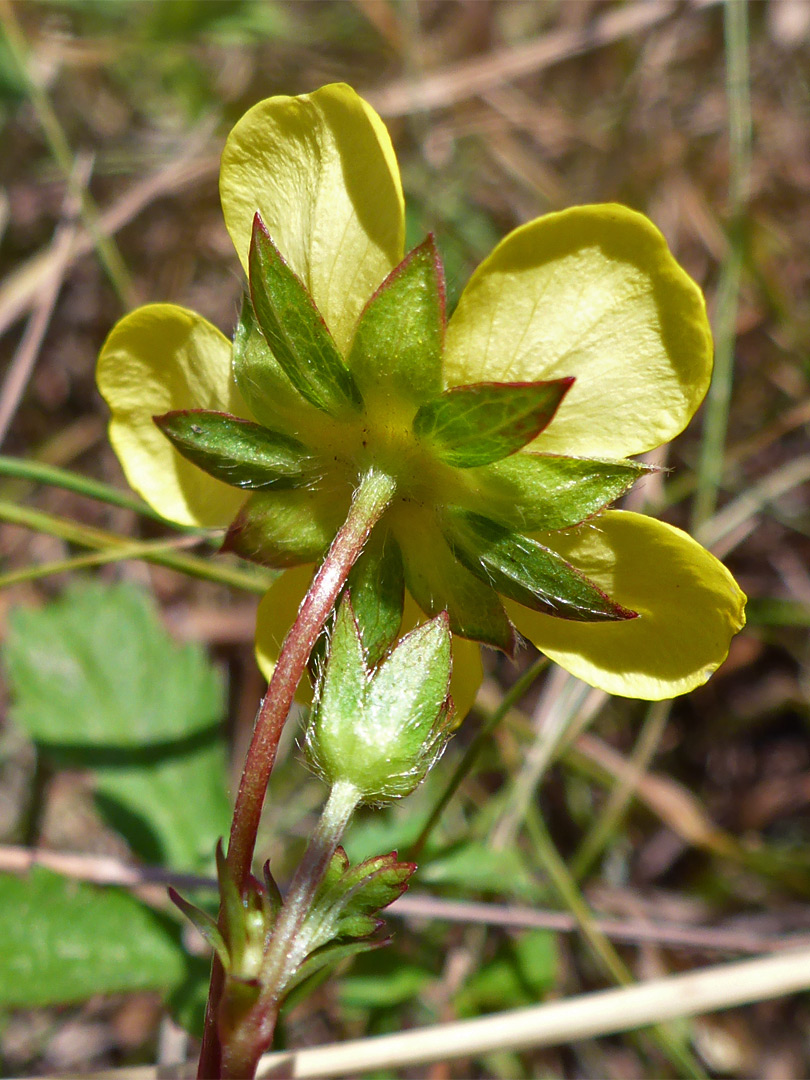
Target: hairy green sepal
<point>544,492</point>
<point>295,331</point>
<point>262,382</point>
<point>528,572</point>
<point>287,528</point>
<point>377,587</point>
<point>381,731</point>
<point>236,451</point>
<point>396,353</point>
<point>478,424</point>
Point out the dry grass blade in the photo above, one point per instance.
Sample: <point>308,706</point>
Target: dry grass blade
<point>468,78</point>
<point>586,1016</point>
<point>19,292</point>
<point>107,870</point>
<point>59,253</point>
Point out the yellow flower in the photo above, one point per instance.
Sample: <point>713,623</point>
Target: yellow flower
<point>587,304</point>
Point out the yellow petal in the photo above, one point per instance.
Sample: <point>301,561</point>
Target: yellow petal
<point>467,674</point>
<point>277,612</point>
<point>322,171</point>
<point>689,608</point>
<point>158,358</point>
<point>592,292</point>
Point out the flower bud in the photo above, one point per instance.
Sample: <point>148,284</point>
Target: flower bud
<point>381,730</point>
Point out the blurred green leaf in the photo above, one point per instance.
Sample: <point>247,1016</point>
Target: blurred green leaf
<point>98,684</point>
<point>477,867</point>
<point>64,941</point>
<point>380,981</point>
<point>520,973</point>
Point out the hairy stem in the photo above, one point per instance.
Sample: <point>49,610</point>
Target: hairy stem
<point>372,496</point>
<point>288,948</point>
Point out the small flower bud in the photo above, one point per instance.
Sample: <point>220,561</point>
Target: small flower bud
<point>381,730</point>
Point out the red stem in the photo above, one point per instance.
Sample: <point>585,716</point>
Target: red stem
<point>370,500</point>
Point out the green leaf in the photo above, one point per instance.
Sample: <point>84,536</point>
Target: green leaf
<point>287,528</point>
<point>98,684</point>
<point>438,582</point>
<point>369,888</point>
<point>377,588</point>
<point>478,424</point>
<point>528,572</point>
<point>295,331</point>
<point>383,981</point>
<point>396,353</point>
<point>522,971</point>
<point>473,866</point>
<point>64,941</point>
<point>349,897</point>
<point>543,492</point>
<point>237,451</point>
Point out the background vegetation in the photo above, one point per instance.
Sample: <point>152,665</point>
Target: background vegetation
<point>130,682</point>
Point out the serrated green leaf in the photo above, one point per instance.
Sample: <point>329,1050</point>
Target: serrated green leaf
<point>439,582</point>
<point>544,492</point>
<point>287,528</point>
<point>238,452</point>
<point>377,588</point>
<point>97,683</point>
<point>396,353</point>
<point>64,941</point>
<point>528,572</point>
<point>350,896</point>
<point>475,425</point>
<point>294,330</point>
<point>368,888</point>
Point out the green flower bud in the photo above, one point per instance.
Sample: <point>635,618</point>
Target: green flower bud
<point>381,730</point>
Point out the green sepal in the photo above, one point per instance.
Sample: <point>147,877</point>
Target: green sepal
<point>397,348</point>
<point>376,584</point>
<point>544,492</point>
<point>238,452</point>
<point>340,691</point>
<point>287,528</point>
<point>295,331</point>
<point>438,582</point>
<point>205,925</point>
<point>261,380</point>
<point>381,731</point>
<point>526,571</point>
<point>475,425</point>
